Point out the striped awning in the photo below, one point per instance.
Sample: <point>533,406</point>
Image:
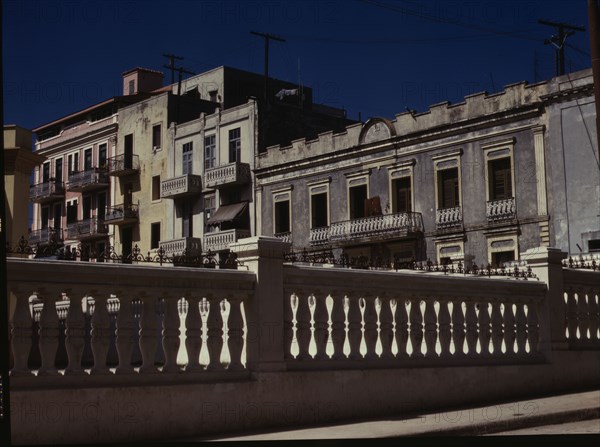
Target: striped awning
<point>227,213</point>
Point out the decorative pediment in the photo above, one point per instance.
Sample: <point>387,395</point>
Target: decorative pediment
<point>376,129</point>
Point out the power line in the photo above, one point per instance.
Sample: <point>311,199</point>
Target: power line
<point>171,65</point>
<point>564,30</point>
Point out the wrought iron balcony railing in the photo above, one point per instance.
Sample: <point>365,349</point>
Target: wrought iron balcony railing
<point>46,191</point>
<point>45,236</point>
<point>227,175</point>
<point>87,229</point>
<point>181,186</point>
<point>220,240</point>
<point>122,165</point>
<point>90,179</point>
<point>446,218</point>
<point>191,246</point>
<point>122,214</point>
<point>501,210</point>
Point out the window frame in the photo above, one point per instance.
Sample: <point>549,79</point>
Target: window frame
<point>496,151</point>
<point>280,196</point>
<point>213,146</point>
<point>156,186</point>
<point>397,172</point>
<point>491,240</point>
<point>444,162</point>
<point>238,145</point>
<point>154,225</point>
<point>316,188</point>
<point>187,158</point>
<point>157,147</point>
<point>353,180</point>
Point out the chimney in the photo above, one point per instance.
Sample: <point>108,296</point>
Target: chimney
<point>138,80</point>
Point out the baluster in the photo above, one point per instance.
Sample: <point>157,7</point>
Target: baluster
<point>445,329</point>
<point>583,314</point>
<point>321,317</point>
<point>21,338</point>
<point>416,327</point>
<point>430,329</point>
<point>594,317</point>
<point>509,329</point>
<point>401,319</point>
<point>126,329</point>
<point>288,324</point>
<point>235,340</point>
<point>303,332</point>
<point>170,333</point>
<point>532,326</point>
<point>100,334</point>
<point>148,340</point>
<point>354,326</point>
<point>386,327</point>
<point>193,333</point>
<point>521,321</point>
<point>370,328</point>
<point>49,328</point>
<point>214,325</point>
<point>458,328</point>
<point>497,330</point>
<point>338,325</point>
<point>75,332</point>
<point>472,333</point>
<point>485,329</point>
<point>572,322</point>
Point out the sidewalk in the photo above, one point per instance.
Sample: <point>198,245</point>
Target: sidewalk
<point>501,418</point>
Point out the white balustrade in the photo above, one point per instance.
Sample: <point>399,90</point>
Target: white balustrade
<point>448,217</point>
<point>220,240</point>
<point>387,224</point>
<point>232,173</point>
<point>504,209</point>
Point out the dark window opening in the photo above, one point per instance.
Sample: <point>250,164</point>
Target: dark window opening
<point>57,216</point>
<point>156,136</point>
<point>58,176</point>
<point>594,245</point>
<point>500,179</point>
<point>499,258</point>
<point>72,212</point>
<point>448,196</point>
<point>101,205</point>
<point>401,195</point>
<point>127,241</point>
<point>235,145</point>
<point>154,235</point>
<point>87,161</point>
<point>187,219</point>
<point>210,158</point>
<point>187,158</point>
<point>87,207</point>
<point>282,216</point>
<point>45,217</point>
<point>46,172</point>
<point>102,156</point>
<point>358,197</point>
<point>318,206</point>
<point>156,187</point>
<point>131,87</point>
<point>128,151</point>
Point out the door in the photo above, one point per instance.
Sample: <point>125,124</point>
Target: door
<point>87,162</point>
<point>126,242</point>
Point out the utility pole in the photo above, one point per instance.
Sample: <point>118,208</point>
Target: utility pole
<point>564,30</point>
<point>267,37</point>
<point>594,19</point>
<point>171,65</point>
<point>180,71</point>
<point>5,435</point>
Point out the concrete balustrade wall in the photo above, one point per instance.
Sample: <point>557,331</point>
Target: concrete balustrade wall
<point>284,345</point>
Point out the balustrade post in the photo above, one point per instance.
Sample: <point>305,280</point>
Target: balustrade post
<point>445,328</point>
<point>126,329</point>
<point>75,331</point>
<point>472,333</point>
<point>235,340</point>
<point>510,330</point>
<point>100,333</point>
<point>430,321</point>
<point>485,329</point>
<point>170,332</point>
<point>303,326</point>
<point>49,328</point>
<point>148,340</point>
<point>571,314</point>
<point>416,327</point>
<point>546,264</point>
<point>594,316</point>
<point>321,317</point>
<point>265,309</point>
<point>458,328</point>
<point>401,319</point>
<point>521,323</point>
<point>338,325</point>
<point>370,315</point>
<point>583,314</point>
<point>288,323</point>
<point>20,323</point>
<point>386,327</point>
<point>354,326</point>
<point>497,328</point>
<point>193,333</point>
<point>214,325</point>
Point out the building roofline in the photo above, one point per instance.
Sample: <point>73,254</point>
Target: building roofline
<point>148,70</point>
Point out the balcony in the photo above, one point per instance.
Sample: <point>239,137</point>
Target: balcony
<point>46,192</point>
<point>227,175</point>
<point>122,214</point>
<point>188,245</point>
<point>285,236</point>
<point>83,181</point>
<point>182,186</point>
<point>122,165</point>
<point>368,229</point>
<point>220,240</point>
<point>87,229</point>
<point>448,218</point>
<point>501,210</point>
<point>45,236</point>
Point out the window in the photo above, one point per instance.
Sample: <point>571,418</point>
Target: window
<point>401,195</point>
<point>131,87</point>
<point>45,217</point>
<point>187,158</point>
<point>448,194</point>
<point>87,207</point>
<point>156,137</point>
<point>500,257</point>
<point>156,187</point>
<point>46,172</point>
<point>57,216</point>
<point>502,248</point>
<point>73,163</point>
<point>154,234</point>
<point>282,217</point>
<point>187,219</point>
<point>213,95</point>
<point>72,212</point>
<point>319,210</point>
<point>101,205</point>
<point>102,156</point>
<point>594,245</point>
<point>500,179</point>
<point>210,159</point>
<point>209,208</point>
<point>357,198</point>
<point>87,160</point>
<point>58,177</point>
<point>235,145</point>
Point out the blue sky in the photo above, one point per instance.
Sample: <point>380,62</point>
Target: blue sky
<point>373,57</point>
